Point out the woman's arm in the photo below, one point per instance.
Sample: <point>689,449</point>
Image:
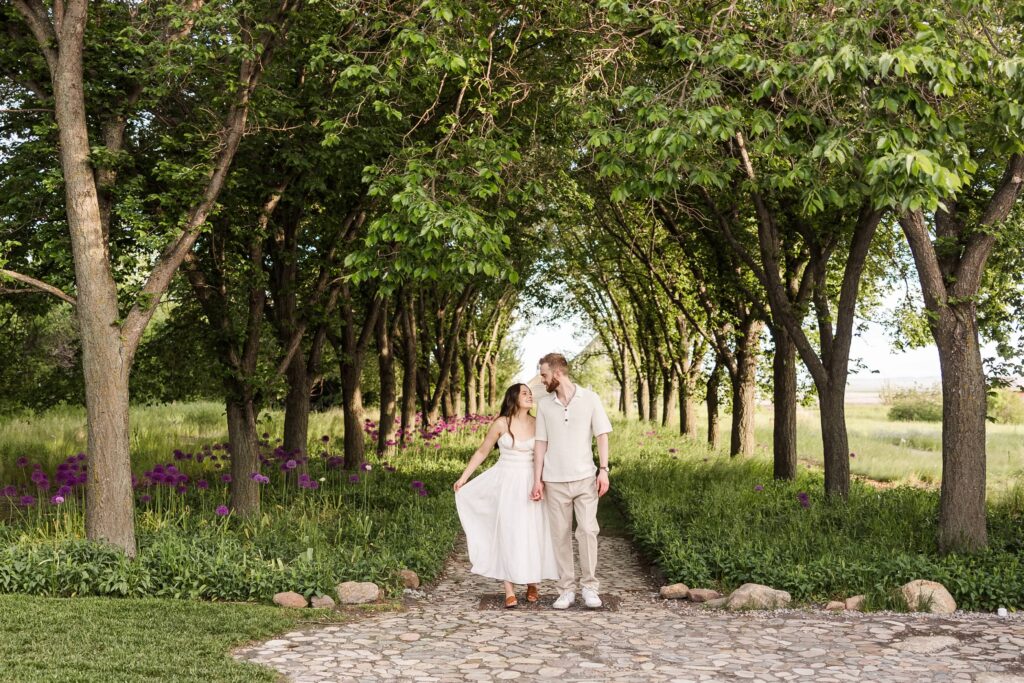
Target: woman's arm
<point>493,434</point>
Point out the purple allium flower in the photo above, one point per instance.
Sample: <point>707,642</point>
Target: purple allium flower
<point>26,501</point>
<point>354,478</point>
<point>417,484</point>
<point>671,450</point>
<point>805,501</point>
<point>222,510</point>
<point>181,489</point>
<point>853,455</point>
<point>57,500</point>
<point>759,488</point>
<point>145,498</point>
<point>9,491</point>
<point>226,478</point>
<point>325,438</point>
<point>422,492</point>
<point>64,490</point>
<point>21,462</point>
<point>202,484</point>
<point>291,464</point>
<point>366,467</point>
<point>266,435</point>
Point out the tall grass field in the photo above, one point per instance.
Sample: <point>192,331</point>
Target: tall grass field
<point>705,518</point>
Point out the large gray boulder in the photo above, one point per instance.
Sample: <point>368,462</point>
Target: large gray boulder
<point>357,592</point>
<point>928,596</point>
<point>756,596</point>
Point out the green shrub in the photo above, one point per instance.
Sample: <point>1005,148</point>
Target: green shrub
<point>727,523</point>
<point>916,403</point>
<point>1006,406</point>
<point>916,410</point>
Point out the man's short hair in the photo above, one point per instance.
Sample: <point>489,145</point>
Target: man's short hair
<point>555,361</point>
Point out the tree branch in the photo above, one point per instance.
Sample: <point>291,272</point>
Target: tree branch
<point>39,285</point>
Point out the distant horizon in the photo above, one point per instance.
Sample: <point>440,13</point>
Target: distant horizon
<point>884,365</point>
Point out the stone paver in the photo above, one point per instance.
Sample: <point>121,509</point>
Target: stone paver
<point>455,635</point>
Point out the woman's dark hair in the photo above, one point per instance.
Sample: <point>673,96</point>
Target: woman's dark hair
<point>510,404</point>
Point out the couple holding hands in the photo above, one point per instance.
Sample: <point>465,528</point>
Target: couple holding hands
<point>518,515</point>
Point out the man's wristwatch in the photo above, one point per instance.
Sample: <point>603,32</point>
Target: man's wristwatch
<point>603,468</point>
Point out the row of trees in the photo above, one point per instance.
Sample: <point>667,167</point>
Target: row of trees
<point>295,185</point>
<point>364,210</point>
<point>749,169</point>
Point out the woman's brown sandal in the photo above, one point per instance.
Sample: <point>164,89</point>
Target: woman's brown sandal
<point>532,594</point>
<point>510,601</point>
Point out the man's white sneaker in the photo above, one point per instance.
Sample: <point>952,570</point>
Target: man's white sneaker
<point>565,600</point>
<point>591,598</point>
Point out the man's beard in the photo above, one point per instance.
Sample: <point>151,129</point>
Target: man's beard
<point>552,385</point>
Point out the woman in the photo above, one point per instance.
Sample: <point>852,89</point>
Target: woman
<point>507,533</point>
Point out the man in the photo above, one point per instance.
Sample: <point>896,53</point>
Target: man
<point>568,419</point>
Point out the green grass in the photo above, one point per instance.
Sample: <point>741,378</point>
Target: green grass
<point>900,452</point>
<point>710,520</point>
<point>908,452</point>
<point>104,640</point>
<point>156,431</point>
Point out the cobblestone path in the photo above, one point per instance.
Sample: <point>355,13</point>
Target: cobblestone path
<point>459,633</point>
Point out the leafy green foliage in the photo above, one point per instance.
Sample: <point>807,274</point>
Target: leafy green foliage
<point>1006,406</point>
<point>711,524</point>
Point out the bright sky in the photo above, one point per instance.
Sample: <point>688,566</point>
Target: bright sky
<point>873,347</point>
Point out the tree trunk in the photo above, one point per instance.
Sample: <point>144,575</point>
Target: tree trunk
<point>106,363</point>
<point>470,378</point>
<point>687,408</point>
<point>245,454</point>
<point>627,386</point>
<point>669,392</point>
<point>455,389</point>
<point>643,397</point>
<point>492,383</point>
<point>409,363</point>
<point>832,404</point>
<point>714,380</point>
<point>784,451</point>
<point>110,510</point>
<point>386,363</point>
<point>962,521</point>
<point>744,392</point>
<point>296,406</point>
<point>652,398</point>
<point>352,404</point>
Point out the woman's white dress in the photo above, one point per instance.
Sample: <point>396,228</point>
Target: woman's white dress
<point>507,533</point>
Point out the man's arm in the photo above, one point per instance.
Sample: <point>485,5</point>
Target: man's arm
<point>540,448</point>
<point>603,483</point>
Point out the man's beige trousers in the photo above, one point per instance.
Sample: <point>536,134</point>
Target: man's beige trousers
<point>563,498</point>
